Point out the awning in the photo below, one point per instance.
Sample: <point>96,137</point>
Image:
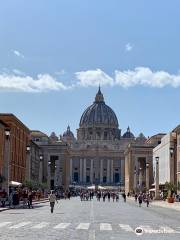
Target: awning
<point>14,184</point>
<point>91,187</point>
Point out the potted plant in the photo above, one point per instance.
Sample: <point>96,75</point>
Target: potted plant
<point>171,189</point>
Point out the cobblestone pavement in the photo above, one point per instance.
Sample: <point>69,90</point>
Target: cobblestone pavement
<point>89,220</point>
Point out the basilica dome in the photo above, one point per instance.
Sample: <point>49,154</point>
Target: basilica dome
<point>99,114</point>
<point>128,134</point>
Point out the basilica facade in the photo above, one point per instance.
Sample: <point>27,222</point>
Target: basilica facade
<point>97,155</point>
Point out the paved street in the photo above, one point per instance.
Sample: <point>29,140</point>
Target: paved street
<point>89,220</point>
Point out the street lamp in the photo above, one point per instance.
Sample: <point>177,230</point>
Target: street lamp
<point>28,148</point>
<point>147,165</point>
<point>7,133</point>
<point>157,160</point>
<point>41,158</point>
<point>171,149</point>
<point>157,179</point>
<point>147,176</point>
<point>7,159</point>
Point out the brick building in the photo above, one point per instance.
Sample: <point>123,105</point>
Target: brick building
<point>19,139</point>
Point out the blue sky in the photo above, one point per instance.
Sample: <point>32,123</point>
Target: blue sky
<point>53,55</point>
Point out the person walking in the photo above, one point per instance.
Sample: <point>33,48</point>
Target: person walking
<point>109,196</point>
<point>30,198</point>
<point>147,200</point>
<point>140,199</point>
<point>124,196</point>
<point>136,197</point>
<point>52,200</point>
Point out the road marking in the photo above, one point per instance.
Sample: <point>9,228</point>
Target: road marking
<point>2,224</point>
<point>105,227</point>
<point>126,228</point>
<point>40,225</point>
<point>22,224</point>
<point>84,226</point>
<point>62,225</point>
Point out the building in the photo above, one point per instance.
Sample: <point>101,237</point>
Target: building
<point>139,163</point>
<point>19,140</point>
<point>166,156</point>
<point>97,155</point>
<point>4,155</point>
<point>177,155</point>
<point>33,166</point>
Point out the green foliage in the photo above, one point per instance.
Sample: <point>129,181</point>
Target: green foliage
<point>171,188</point>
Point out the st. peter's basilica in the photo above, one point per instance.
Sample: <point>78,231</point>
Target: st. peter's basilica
<point>100,154</point>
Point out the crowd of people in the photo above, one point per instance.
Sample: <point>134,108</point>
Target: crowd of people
<point>19,196</point>
<point>104,195</point>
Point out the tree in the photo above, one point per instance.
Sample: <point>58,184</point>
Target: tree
<point>171,188</point>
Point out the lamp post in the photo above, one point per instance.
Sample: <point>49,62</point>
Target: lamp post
<point>147,176</point>
<point>28,163</point>
<point>172,165</point>
<point>6,167</point>
<point>157,179</point>
<point>40,168</point>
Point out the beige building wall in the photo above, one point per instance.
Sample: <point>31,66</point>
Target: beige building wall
<point>166,161</point>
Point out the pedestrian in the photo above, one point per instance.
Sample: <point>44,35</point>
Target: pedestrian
<point>30,198</point>
<point>69,195</point>
<point>109,196</point>
<point>140,199</point>
<point>136,196</point>
<point>3,198</point>
<point>124,196</point>
<point>15,199</point>
<point>52,200</point>
<point>147,200</point>
<point>117,197</point>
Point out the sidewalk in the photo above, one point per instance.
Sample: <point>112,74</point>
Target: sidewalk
<point>175,206</point>
<point>34,203</point>
<point>164,204</point>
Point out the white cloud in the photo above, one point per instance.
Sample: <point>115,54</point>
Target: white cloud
<point>128,47</point>
<point>43,83</point>
<point>93,78</point>
<point>18,54</point>
<point>146,77</point>
<point>140,76</point>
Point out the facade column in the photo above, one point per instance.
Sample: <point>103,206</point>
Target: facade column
<point>122,176</point>
<point>70,171</point>
<point>84,171</point>
<point>91,172</point>
<point>56,173</point>
<point>80,172</point>
<point>112,171</point>
<point>135,180</point>
<point>101,171</point>
<point>147,176</point>
<point>108,171</point>
<point>140,178</point>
